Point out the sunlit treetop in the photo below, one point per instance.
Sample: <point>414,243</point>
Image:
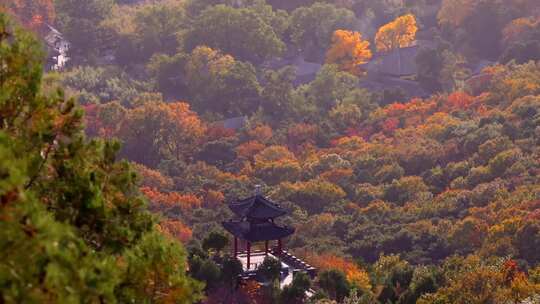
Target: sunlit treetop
<point>397,34</point>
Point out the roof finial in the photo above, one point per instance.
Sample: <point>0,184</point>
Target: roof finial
<point>258,189</point>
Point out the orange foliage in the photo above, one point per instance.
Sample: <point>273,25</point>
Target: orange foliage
<point>274,154</point>
<point>253,291</point>
<point>337,176</point>
<point>355,274</point>
<point>153,178</point>
<point>348,51</point>
<point>176,229</point>
<point>248,149</point>
<point>262,133</point>
<point>276,164</point>
<point>213,198</point>
<point>518,28</point>
<point>460,101</point>
<point>301,132</point>
<point>158,129</point>
<point>185,120</point>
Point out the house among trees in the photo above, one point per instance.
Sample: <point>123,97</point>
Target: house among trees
<point>254,222</point>
<point>234,123</point>
<point>57,49</point>
<point>400,62</point>
<point>395,69</point>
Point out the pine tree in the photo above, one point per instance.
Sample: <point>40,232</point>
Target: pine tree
<point>73,226</point>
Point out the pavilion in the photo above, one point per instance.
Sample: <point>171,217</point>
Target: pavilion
<point>254,223</point>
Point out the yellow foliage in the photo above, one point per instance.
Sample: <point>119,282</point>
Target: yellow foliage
<point>396,34</point>
<point>348,51</point>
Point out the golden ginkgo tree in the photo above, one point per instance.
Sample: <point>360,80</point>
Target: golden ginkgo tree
<point>348,51</point>
<point>397,34</point>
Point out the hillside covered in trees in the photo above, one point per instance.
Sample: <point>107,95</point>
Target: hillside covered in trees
<point>402,137</point>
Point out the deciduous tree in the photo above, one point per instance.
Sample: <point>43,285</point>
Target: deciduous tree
<point>397,34</point>
<point>348,51</point>
<point>35,14</point>
<point>253,40</point>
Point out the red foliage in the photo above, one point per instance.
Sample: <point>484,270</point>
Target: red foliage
<point>510,270</point>
<point>459,101</point>
<point>164,201</point>
<point>390,125</point>
<point>216,132</point>
<point>34,14</point>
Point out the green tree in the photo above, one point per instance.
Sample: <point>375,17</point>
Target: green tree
<point>155,270</point>
<point>219,83</point>
<point>312,27</point>
<point>230,270</point>
<point>74,227</point>
<point>270,269</point>
<point>81,23</point>
<point>335,284</point>
<point>405,189</point>
<point>146,29</point>
<point>277,93</point>
<point>208,272</point>
<point>240,32</point>
<point>330,86</point>
<point>296,291</point>
<point>215,240</point>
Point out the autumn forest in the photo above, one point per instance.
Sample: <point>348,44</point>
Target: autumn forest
<point>402,137</point>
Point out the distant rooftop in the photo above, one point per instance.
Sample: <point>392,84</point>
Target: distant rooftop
<point>233,123</point>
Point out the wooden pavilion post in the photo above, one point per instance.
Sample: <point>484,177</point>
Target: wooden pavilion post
<point>235,253</point>
<point>279,247</point>
<point>248,248</point>
<point>265,247</point>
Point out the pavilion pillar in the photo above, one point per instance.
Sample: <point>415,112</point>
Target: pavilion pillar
<point>248,249</point>
<point>279,246</point>
<point>265,247</point>
<point>235,253</point>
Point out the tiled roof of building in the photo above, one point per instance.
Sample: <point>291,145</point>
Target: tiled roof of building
<point>256,207</point>
<point>233,123</point>
<point>399,62</point>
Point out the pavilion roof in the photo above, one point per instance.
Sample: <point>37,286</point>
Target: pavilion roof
<point>257,207</point>
<point>256,232</point>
